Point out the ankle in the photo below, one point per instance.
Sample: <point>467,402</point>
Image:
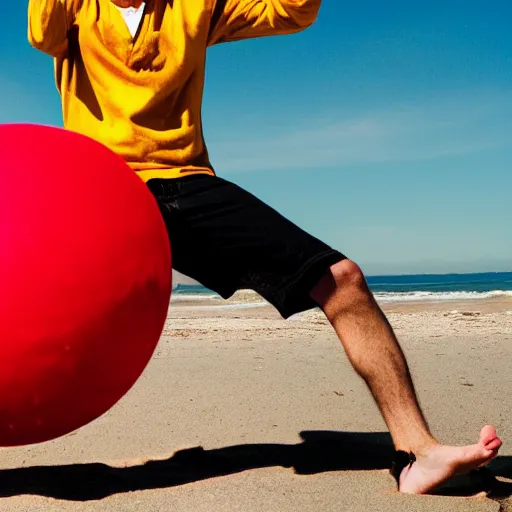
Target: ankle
<point>419,445</point>
<point>426,447</point>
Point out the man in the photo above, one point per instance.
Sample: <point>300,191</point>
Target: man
<point>131,76</point>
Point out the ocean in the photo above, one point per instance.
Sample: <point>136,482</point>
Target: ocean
<point>407,288</point>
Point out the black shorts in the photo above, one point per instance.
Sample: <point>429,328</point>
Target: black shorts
<point>228,240</point>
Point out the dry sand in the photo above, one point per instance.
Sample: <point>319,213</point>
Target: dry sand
<point>242,411</point>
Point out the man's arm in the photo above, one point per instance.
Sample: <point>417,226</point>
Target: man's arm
<point>49,22</point>
<point>233,20</point>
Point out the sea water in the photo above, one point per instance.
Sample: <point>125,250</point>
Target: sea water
<point>406,288</point>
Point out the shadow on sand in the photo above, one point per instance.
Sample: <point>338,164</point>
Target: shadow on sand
<point>319,451</point>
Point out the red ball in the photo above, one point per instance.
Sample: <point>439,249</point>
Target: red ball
<point>85,281</point>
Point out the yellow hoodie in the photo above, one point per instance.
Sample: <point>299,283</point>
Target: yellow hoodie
<point>141,96</point>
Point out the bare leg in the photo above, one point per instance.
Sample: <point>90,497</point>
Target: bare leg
<point>377,357</point>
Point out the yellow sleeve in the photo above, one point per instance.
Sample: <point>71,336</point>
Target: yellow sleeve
<point>49,22</point>
<point>233,20</point>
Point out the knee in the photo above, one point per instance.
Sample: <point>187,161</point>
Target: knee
<point>342,286</point>
<point>347,275</point>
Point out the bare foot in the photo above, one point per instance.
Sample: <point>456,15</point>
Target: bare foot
<point>439,463</point>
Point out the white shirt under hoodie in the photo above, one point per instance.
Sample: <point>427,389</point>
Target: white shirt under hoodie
<point>132,16</point>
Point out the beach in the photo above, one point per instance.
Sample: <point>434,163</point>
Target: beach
<point>241,410</point>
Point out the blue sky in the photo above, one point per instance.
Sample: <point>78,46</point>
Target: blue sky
<point>385,129</point>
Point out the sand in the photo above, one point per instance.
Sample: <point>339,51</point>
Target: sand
<point>240,410</point>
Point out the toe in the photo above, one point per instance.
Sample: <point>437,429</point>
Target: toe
<point>495,444</point>
<point>488,434</point>
<point>491,455</point>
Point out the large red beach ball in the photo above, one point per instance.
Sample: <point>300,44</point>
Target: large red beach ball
<point>85,281</point>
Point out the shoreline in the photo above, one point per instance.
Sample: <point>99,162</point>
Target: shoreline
<point>248,300</point>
